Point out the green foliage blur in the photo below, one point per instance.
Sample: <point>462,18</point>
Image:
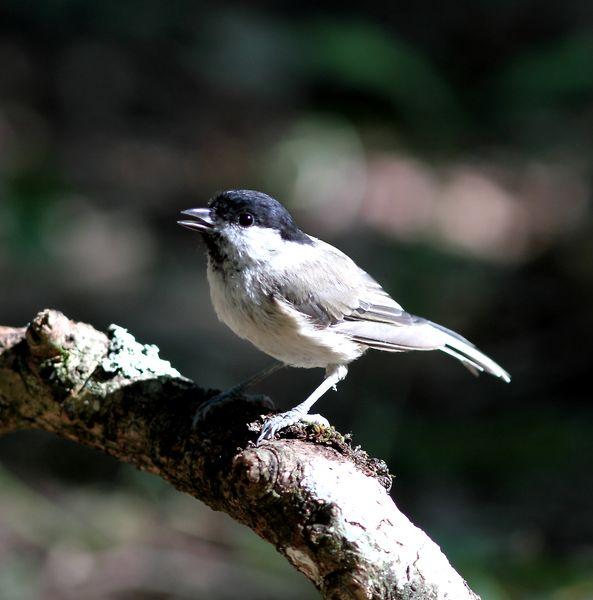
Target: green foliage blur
<point>446,147</point>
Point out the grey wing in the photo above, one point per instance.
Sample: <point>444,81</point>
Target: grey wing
<point>338,294</point>
<point>336,290</point>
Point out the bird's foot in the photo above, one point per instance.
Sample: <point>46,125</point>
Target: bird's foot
<point>235,394</point>
<point>273,425</point>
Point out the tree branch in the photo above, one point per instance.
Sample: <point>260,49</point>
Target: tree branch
<point>323,504</point>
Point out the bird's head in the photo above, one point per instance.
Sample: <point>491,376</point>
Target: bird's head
<point>244,223</point>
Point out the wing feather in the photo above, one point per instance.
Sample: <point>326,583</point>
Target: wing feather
<point>342,291</point>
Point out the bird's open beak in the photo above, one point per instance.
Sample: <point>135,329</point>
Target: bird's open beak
<point>202,220</point>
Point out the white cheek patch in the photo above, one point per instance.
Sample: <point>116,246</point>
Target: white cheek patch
<point>259,244</point>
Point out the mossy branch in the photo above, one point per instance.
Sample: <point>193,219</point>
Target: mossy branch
<point>323,504</point>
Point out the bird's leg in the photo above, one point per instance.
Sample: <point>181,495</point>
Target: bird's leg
<point>238,390</point>
<point>257,378</point>
<point>333,375</point>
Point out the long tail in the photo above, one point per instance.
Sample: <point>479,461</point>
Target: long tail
<point>471,358</point>
<point>416,333</point>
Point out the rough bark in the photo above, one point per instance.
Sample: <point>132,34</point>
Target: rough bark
<point>323,504</point>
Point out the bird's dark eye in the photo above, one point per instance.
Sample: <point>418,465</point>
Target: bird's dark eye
<point>246,219</point>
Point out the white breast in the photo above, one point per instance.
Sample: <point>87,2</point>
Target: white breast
<point>273,326</point>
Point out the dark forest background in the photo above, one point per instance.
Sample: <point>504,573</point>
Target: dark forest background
<point>446,146</point>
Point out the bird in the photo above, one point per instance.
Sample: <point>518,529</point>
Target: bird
<point>304,302</point>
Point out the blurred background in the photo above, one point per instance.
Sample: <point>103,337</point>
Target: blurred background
<point>446,147</point>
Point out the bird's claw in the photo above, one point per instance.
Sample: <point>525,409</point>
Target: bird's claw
<point>272,425</point>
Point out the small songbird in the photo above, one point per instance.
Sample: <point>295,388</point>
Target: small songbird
<point>304,302</point>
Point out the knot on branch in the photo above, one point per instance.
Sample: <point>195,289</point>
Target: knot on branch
<point>49,334</point>
<point>256,471</point>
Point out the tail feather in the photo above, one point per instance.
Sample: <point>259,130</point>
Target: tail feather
<point>421,335</point>
<point>473,359</point>
<point>472,367</point>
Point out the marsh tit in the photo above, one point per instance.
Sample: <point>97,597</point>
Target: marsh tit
<point>304,302</point>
